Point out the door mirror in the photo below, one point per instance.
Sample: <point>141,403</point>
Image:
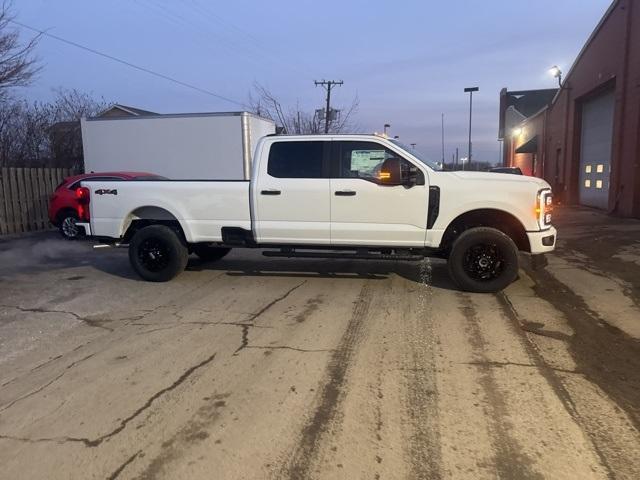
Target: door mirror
<point>395,171</point>
<point>390,172</point>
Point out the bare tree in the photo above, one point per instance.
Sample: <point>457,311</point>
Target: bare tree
<point>17,63</point>
<point>45,133</point>
<point>294,120</point>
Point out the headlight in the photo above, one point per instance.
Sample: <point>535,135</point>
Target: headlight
<point>544,207</point>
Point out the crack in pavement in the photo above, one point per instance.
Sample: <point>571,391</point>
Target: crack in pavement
<point>121,468</point>
<point>245,339</point>
<point>286,347</point>
<point>250,322</point>
<point>92,322</point>
<point>42,387</point>
<point>123,423</point>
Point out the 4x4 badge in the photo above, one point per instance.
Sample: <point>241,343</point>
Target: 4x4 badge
<point>104,191</point>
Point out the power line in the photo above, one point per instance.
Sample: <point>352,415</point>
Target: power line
<point>258,44</point>
<point>128,64</point>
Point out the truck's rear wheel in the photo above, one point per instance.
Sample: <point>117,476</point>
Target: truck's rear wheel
<point>208,253</point>
<point>157,253</point>
<point>484,260</point>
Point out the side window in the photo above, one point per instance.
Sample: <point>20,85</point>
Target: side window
<point>371,161</point>
<point>296,160</point>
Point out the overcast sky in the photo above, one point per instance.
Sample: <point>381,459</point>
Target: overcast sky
<point>407,61</point>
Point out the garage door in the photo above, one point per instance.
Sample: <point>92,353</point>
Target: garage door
<point>595,151</point>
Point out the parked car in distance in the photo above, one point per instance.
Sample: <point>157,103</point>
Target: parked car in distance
<point>513,170</point>
<point>65,209</point>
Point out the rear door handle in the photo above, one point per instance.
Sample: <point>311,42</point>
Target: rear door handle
<point>270,192</point>
<point>345,193</point>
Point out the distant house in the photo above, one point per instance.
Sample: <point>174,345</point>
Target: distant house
<point>117,110</point>
<point>66,137</point>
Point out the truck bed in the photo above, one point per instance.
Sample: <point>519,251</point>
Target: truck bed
<point>202,207</point>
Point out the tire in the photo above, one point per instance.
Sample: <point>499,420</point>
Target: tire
<point>208,253</point>
<point>157,253</point>
<point>483,260</point>
<point>67,226</point>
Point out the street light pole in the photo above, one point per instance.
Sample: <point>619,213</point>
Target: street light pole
<point>470,90</point>
<point>442,138</point>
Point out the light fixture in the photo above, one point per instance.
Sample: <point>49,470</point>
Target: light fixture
<point>516,132</point>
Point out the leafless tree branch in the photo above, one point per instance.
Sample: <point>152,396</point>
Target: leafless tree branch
<point>295,120</point>
<point>18,65</point>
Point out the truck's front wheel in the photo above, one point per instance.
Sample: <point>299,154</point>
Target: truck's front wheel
<point>484,260</point>
<point>157,253</point>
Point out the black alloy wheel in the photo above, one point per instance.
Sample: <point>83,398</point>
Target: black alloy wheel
<point>484,260</point>
<point>158,253</point>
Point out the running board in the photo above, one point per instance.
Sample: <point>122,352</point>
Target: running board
<point>343,255</point>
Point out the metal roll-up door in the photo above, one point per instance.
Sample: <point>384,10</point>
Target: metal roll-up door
<point>595,151</point>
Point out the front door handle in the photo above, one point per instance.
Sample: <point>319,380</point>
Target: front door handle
<point>270,192</point>
<point>345,193</point>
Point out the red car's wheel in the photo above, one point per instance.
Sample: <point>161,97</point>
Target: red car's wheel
<point>67,224</point>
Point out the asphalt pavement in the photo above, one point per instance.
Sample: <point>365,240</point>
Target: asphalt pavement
<point>254,367</point>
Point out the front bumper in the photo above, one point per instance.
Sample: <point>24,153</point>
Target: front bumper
<point>543,241</point>
<point>86,226</point>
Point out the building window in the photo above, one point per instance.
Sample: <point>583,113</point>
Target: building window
<point>587,183</point>
<point>587,169</point>
<point>598,183</point>
<point>600,168</point>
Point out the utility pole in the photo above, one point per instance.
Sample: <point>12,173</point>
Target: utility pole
<point>470,91</point>
<point>443,139</point>
<point>456,158</point>
<point>328,85</point>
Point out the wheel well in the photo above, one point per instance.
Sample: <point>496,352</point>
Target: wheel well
<point>498,219</point>
<point>64,211</point>
<point>145,216</point>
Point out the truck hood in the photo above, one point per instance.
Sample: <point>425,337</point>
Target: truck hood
<point>500,177</point>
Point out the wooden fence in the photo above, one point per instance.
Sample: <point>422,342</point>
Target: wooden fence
<point>24,197</point>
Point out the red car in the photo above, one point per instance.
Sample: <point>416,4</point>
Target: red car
<point>65,209</point>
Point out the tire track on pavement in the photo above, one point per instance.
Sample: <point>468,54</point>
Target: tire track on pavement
<point>510,459</point>
<point>421,391</point>
<point>331,394</point>
<point>552,378</point>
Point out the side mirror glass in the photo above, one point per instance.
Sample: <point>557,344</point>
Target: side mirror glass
<point>395,171</point>
<point>390,172</point>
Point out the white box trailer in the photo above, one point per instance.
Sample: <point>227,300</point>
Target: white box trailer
<point>177,146</point>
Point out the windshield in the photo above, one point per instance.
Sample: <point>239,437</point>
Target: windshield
<point>412,151</point>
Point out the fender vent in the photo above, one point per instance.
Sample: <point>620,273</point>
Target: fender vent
<point>434,206</point>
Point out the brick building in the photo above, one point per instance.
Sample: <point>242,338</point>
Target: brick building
<point>586,141</point>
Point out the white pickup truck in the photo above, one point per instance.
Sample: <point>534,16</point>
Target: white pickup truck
<point>330,196</point>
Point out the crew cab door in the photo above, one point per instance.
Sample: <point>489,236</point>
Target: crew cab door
<point>291,193</point>
<point>378,198</point>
